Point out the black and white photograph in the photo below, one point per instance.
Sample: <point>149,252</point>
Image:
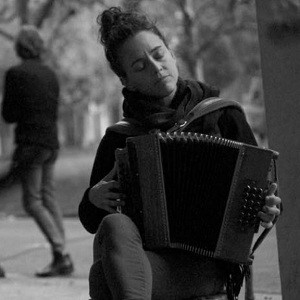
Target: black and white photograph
<point>149,149</point>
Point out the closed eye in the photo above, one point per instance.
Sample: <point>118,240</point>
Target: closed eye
<point>140,64</point>
<point>159,53</point>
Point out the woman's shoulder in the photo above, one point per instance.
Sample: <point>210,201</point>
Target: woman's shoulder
<point>202,88</point>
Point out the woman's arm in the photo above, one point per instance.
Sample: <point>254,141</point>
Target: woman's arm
<point>89,214</point>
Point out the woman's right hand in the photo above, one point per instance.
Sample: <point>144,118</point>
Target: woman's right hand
<point>105,194</point>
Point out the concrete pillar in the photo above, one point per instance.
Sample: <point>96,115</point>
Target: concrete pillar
<point>279,39</point>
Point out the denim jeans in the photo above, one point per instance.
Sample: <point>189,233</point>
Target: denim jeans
<point>122,269</point>
<point>35,168</point>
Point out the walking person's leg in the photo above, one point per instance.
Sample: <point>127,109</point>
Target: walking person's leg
<point>48,193</point>
<point>62,263</point>
<point>32,180</point>
<point>31,185</point>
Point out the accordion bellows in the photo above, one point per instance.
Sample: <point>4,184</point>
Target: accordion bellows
<point>194,192</point>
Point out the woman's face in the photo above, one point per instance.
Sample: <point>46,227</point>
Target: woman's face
<point>149,65</point>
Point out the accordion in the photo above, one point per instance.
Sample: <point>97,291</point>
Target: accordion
<point>194,192</point>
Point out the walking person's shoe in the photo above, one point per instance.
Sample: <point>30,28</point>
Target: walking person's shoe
<point>60,266</point>
<point>2,273</point>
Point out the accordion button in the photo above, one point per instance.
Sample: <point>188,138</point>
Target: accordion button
<point>254,190</point>
<point>246,195</point>
<point>248,188</point>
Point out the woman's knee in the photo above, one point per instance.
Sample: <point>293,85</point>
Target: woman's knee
<point>116,229</point>
<point>117,225</point>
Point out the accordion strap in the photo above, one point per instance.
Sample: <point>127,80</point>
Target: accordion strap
<point>205,107</point>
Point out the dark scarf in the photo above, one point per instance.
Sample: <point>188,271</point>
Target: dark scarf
<point>147,111</point>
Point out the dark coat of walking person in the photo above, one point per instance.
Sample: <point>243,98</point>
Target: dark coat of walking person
<point>30,101</point>
<point>155,97</point>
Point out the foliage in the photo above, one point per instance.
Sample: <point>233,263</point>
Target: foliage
<point>214,41</point>
<point>211,39</point>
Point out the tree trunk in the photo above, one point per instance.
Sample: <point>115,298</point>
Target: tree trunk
<point>22,9</point>
<point>280,48</point>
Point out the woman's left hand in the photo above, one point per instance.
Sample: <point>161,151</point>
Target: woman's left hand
<point>270,210</point>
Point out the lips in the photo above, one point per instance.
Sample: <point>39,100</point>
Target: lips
<point>162,79</point>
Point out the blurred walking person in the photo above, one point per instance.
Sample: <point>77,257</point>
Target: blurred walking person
<point>30,100</point>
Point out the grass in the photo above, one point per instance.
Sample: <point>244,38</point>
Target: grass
<point>72,173</point>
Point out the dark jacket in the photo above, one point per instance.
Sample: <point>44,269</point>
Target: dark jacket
<point>231,124</point>
<point>30,100</point>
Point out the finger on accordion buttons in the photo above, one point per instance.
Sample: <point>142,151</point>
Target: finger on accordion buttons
<point>272,200</point>
<point>266,217</point>
<point>271,210</point>
<point>272,189</point>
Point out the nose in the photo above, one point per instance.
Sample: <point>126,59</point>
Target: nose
<point>156,65</point>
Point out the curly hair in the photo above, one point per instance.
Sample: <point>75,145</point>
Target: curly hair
<point>116,27</point>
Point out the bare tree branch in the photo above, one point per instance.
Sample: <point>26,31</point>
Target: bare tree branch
<point>7,12</point>
<point>7,35</point>
<point>43,12</point>
<point>69,12</point>
<point>222,32</point>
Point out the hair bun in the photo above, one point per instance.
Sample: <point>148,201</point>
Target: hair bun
<point>109,18</point>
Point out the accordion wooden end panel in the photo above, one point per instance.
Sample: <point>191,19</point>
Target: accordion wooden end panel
<point>194,192</point>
